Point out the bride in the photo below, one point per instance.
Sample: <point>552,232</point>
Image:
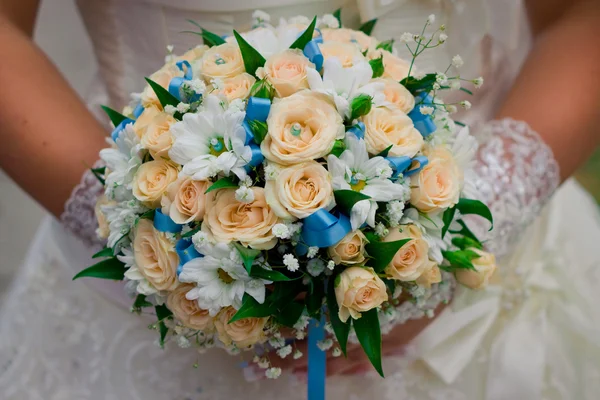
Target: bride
<point>534,334</point>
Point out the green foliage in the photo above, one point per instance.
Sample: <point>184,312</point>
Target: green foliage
<point>360,105</point>
<point>368,333</point>
<point>222,183</point>
<point>338,15</point>
<point>252,309</point>
<point>338,147</point>
<point>248,255</point>
<point>99,174</point>
<point>110,268</point>
<point>415,85</point>
<point>382,253</point>
<point>460,259</point>
<point>141,302</point>
<point>162,313</point>
<point>259,129</point>
<point>368,26</point>
<point>464,242</point>
<point>384,152</point>
<point>476,207</point>
<point>314,298</point>
<point>262,89</point>
<point>447,218</point>
<point>164,97</point>
<point>210,39</point>
<point>377,66</point>
<point>346,199</point>
<point>252,58</point>
<point>105,252</point>
<point>387,45</point>
<point>465,231</point>
<point>271,275</point>
<point>115,117</point>
<point>290,314</point>
<point>192,232</point>
<point>306,36</point>
<point>340,329</point>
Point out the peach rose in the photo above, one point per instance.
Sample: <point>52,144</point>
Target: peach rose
<point>385,127</point>
<point>193,54</point>
<point>243,333</point>
<point>223,61</point>
<point>397,94</point>
<point>358,290</point>
<point>412,259</point>
<point>286,71</point>
<point>393,67</point>
<point>350,250</point>
<point>237,87</point>
<point>428,278</point>
<point>347,53</point>
<point>300,190</point>
<point>188,311</point>
<point>156,136</point>
<point>163,77</point>
<point>144,120</point>
<point>103,230</point>
<point>185,200</point>
<point>438,184</point>
<point>485,266</point>
<point>346,35</point>
<point>151,181</point>
<point>155,256</point>
<point>302,127</point>
<point>229,220</point>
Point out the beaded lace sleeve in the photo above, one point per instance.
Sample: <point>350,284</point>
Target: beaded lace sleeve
<point>515,175</point>
<point>79,216</point>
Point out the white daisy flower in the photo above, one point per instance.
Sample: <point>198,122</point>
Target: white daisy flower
<point>221,279</point>
<point>211,141</point>
<point>354,170</point>
<point>121,217</point>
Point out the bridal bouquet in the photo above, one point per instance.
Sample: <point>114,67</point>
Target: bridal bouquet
<point>289,176</point>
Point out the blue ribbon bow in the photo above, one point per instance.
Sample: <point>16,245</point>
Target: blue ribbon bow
<point>257,157</point>
<point>323,229</point>
<point>186,251</point>
<point>313,53</point>
<point>423,123</point>
<point>119,128</point>
<point>358,130</point>
<point>257,109</point>
<point>407,166</point>
<point>164,223</point>
<point>178,81</point>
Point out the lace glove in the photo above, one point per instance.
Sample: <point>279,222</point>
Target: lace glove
<point>79,217</point>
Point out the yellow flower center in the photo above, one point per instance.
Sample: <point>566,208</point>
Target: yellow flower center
<point>217,146</point>
<point>224,276</point>
<point>357,186</point>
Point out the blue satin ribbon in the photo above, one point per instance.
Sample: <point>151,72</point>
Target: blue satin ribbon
<point>257,157</point>
<point>407,166</point>
<point>358,130</point>
<point>313,53</point>
<point>164,223</point>
<point>249,133</point>
<point>178,81</point>
<point>423,123</point>
<point>417,164</point>
<point>188,73</point>
<point>186,251</point>
<point>119,128</point>
<point>138,110</point>
<point>257,109</point>
<point>323,229</point>
<point>317,360</point>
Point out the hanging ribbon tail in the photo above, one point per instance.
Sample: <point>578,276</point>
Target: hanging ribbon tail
<point>186,251</point>
<point>358,130</point>
<point>186,67</point>
<point>323,229</point>
<point>399,164</point>
<point>119,128</point>
<point>416,165</point>
<point>313,53</point>
<point>138,110</point>
<point>164,223</point>
<point>423,123</point>
<point>317,360</point>
<point>258,109</point>
<point>257,157</point>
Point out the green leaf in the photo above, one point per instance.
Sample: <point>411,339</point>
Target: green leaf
<point>141,302</point>
<point>259,129</point>
<point>314,299</point>
<point>346,199</point>
<point>271,275</point>
<point>210,39</point>
<point>382,253</point>
<point>341,329</point>
<point>468,206</point>
<point>222,183</point>
<point>338,15</point>
<point>290,314</point>
<point>465,242</point>
<point>372,237</point>
<point>447,218</point>
<point>262,89</point>
<point>248,255</point>
<point>460,259</point>
<point>105,252</point>
<point>338,148</point>
<point>416,85</point>
<point>111,268</point>
<point>147,215</point>
<point>252,309</point>
<point>466,91</point>
<point>465,231</point>
<point>384,152</point>
<point>368,333</point>
<point>115,117</point>
<point>252,58</point>
<point>162,313</point>
<point>99,174</point>
<point>164,97</point>
<point>360,105</point>
<point>387,45</point>
<point>368,26</point>
<point>460,123</point>
<point>192,232</point>
<point>377,66</point>
<point>306,36</point>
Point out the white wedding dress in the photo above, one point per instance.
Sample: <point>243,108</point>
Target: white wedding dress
<point>534,334</point>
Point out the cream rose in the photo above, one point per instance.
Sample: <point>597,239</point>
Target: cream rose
<point>144,120</point>
<point>385,127</point>
<point>485,265</point>
<point>350,250</point>
<point>438,185</point>
<point>358,290</point>
<point>412,259</point>
<point>243,333</point>
<point>397,94</point>
<point>347,53</point>
<point>163,78</point>
<point>185,200</point>
<point>300,190</point>
<point>286,71</point>
<point>156,136</point>
<point>428,278</point>
<point>393,67</point>
<point>237,87</point>
<point>302,127</point>
<point>103,230</point>
<point>155,256</point>
<point>346,35</point>
<point>223,61</point>
<point>188,311</point>
<point>229,220</point>
<point>193,54</point>
<point>151,181</point>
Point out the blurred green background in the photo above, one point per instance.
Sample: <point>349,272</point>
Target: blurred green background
<point>589,175</point>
